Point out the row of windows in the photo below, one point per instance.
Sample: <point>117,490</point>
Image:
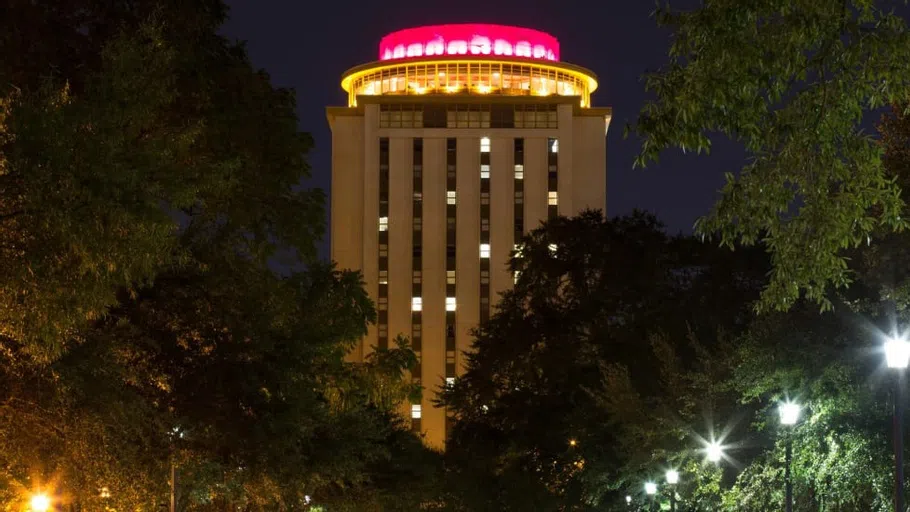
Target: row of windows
<point>468,116</point>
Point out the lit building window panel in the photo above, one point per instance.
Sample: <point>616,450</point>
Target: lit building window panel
<point>451,197</point>
<point>484,250</point>
<point>415,411</point>
<point>416,304</point>
<point>485,145</point>
<point>383,223</point>
<point>450,303</point>
<point>553,198</point>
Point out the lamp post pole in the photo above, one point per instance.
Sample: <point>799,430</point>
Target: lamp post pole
<point>789,415</point>
<point>897,356</point>
<point>898,434</point>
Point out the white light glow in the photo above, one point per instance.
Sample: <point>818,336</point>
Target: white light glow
<point>715,452</point>
<point>40,503</point>
<point>897,352</point>
<point>450,303</point>
<point>628,499</point>
<point>416,304</point>
<point>415,411</point>
<point>672,477</point>
<point>789,413</point>
<point>650,488</point>
<point>484,250</point>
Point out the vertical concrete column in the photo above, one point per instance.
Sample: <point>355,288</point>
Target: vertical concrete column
<point>370,263</point>
<point>434,288</point>
<point>566,159</point>
<point>502,215</point>
<point>467,236</point>
<point>535,182</point>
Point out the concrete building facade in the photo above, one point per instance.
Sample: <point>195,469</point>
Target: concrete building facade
<point>456,142</point>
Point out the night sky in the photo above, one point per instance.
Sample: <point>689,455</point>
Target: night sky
<point>308,44</point>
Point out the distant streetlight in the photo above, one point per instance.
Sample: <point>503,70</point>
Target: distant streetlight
<point>789,415</point>
<point>628,500</point>
<point>672,480</point>
<point>715,451</point>
<point>651,490</point>
<point>40,503</point>
<point>897,356</point>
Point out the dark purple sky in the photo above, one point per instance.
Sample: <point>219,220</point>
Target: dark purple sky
<point>308,44</point>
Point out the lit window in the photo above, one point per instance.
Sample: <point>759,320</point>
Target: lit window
<point>450,197</point>
<point>553,198</point>
<point>553,248</point>
<point>383,223</point>
<point>484,171</point>
<point>515,277</point>
<point>383,277</point>
<point>485,145</point>
<point>484,250</point>
<point>416,304</point>
<point>519,172</point>
<point>517,249</point>
<point>450,277</point>
<point>554,145</point>
<point>450,303</point>
<point>450,381</point>
<point>415,411</point>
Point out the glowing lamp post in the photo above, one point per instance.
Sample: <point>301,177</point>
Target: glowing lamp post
<point>715,452</point>
<point>789,415</point>
<point>629,501</point>
<point>651,490</point>
<point>897,356</point>
<point>672,480</point>
<point>40,503</point>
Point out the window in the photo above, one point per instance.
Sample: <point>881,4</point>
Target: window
<point>416,304</point>
<point>553,248</point>
<point>418,196</point>
<point>485,145</point>
<point>484,172</point>
<point>515,277</point>
<point>484,224</point>
<point>450,303</point>
<point>416,277</point>
<point>553,198</point>
<point>484,250</point>
<point>383,250</point>
<point>383,303</point>
<point>383,277</point>
<point>484,277</point>
<point>554,145</point>
<point>450,197</point>
<point>383,223</point>
<point>519,197</point>
<point>450,381</point>
<point>484,198</point>
<point>418,223</point>
<point>517,249</point>
<point>519,172</point>
<point>415,411</point>
<point>450,277</point>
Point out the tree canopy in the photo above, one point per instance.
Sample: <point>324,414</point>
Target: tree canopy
<point>794,82</point>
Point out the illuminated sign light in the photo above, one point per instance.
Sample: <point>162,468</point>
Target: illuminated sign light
<point>469,39</point>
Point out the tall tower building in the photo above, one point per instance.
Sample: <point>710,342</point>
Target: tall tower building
<point>458,140</point>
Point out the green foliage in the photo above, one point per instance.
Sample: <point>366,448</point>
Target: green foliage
<point>791,80</point>
<point>589,347</point>
<point>155,139</point>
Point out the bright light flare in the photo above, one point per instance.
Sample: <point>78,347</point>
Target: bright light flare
<point>789,413</point>
<point>628,499</point>
<point>715,451</point>
<point>40,503</point>
<point>897,352</point>
<point>672,477</point>
<point>650,488</point>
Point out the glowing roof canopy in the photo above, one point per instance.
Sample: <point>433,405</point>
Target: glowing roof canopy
<point>469,39</point>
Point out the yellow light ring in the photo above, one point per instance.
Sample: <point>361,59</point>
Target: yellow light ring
<point>400,68</point>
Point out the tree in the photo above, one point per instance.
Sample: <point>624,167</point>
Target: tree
<point>792,81</point>
<point>131,132</point>
<point>576,384</point>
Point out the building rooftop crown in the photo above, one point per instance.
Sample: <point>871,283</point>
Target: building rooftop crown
<point>469,39</point>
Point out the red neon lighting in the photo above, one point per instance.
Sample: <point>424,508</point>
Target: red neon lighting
<point>469,39</point>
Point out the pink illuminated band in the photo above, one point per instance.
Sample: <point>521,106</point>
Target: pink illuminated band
<point>469,39</point>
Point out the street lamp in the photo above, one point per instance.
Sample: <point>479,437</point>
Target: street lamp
<point>672,480</point>
<point>629,501</point>
<point>40,503</point>
<point>789,415</point>
<point>715,451</point>
<point>651,490</point>
<point>897,356</point>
